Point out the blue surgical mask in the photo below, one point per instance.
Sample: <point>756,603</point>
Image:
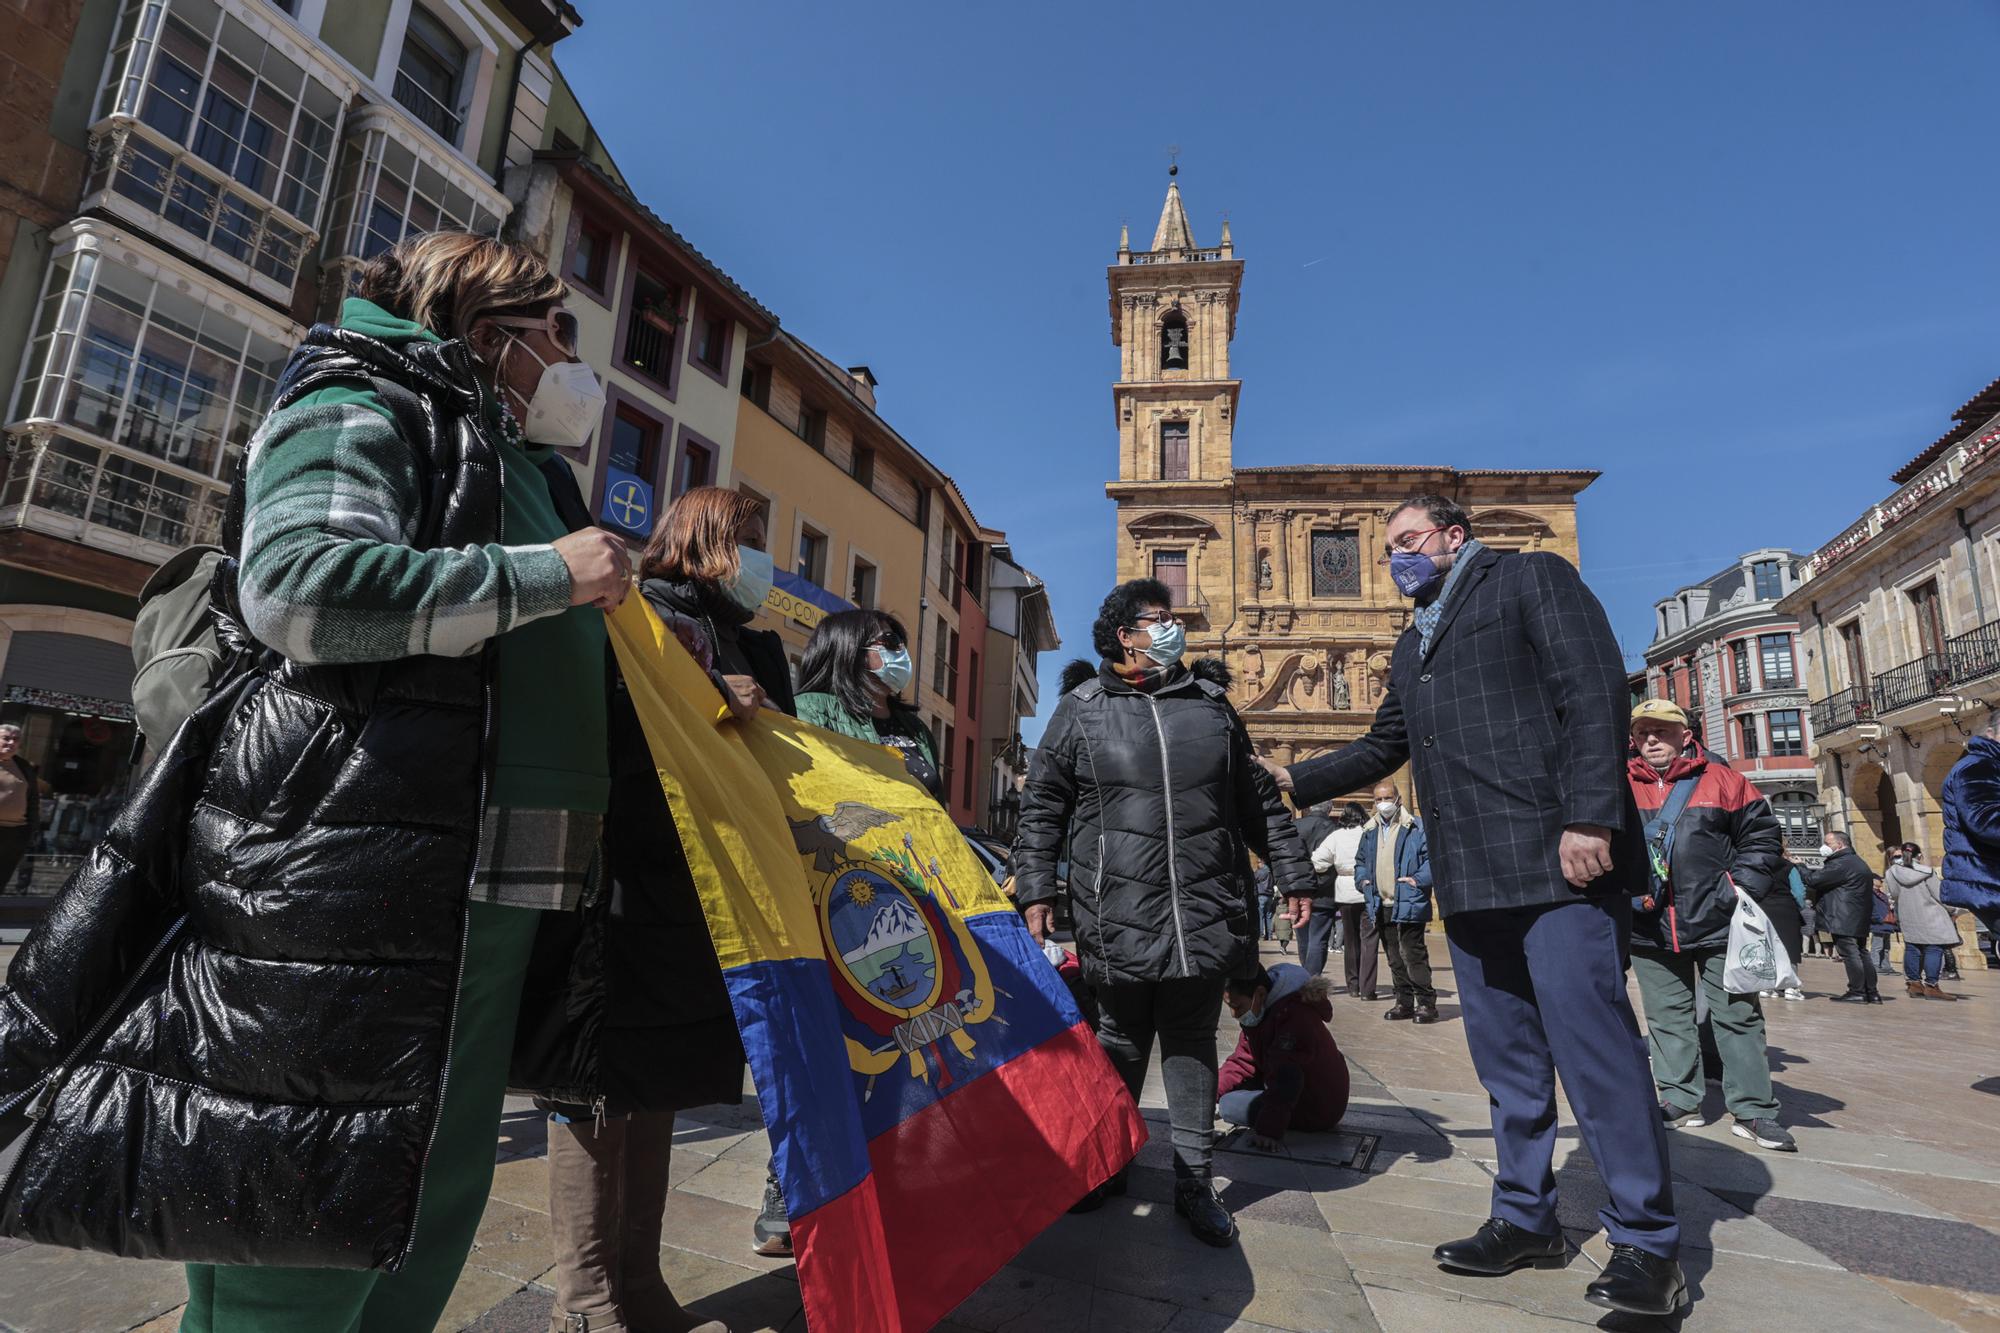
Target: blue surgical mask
<point>754,573</point>
<point>1414,572</point>
<point>895,669</point>
<point>1168,642</point>
<point>1252,1018</point>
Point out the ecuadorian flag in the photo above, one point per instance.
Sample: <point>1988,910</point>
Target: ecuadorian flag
<point>933,1097</point>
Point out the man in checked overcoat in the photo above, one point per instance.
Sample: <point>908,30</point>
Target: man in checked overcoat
<point>1509,694</point>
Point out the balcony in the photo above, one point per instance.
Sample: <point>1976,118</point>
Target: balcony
<point>215,129</point>
<point>1967,658</point>
<point>395,183</point>
<point>140,389</point>
<point>434,115</point>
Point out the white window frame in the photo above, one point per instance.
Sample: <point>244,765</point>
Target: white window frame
<point>474,97</point>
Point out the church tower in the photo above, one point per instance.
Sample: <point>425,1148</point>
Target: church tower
<point>1173,316</point>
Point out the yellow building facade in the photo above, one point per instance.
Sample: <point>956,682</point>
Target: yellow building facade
<point>1273,569</point>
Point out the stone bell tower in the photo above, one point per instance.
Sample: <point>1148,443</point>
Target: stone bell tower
<point>1173,316</point>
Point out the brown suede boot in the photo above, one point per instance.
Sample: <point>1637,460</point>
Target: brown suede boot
<point>1916,990</point>
<point>587,1217</point>
<point>1931,992</point>
<point>649,1303</point>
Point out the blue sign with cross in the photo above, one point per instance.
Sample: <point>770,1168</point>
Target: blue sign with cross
<point>628,502</point>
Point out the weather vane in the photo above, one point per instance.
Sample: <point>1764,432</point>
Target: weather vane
<point>1173,159</point>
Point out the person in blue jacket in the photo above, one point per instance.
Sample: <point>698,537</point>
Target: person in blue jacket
<point>1971,801</point>
<point>1392,868</point>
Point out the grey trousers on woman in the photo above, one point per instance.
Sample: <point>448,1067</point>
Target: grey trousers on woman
<point>1183,1015</point>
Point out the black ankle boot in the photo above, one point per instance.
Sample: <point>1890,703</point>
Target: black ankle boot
<point>1196,1200</point>
<point>1639,1283</point>
<point>1501,1247</point>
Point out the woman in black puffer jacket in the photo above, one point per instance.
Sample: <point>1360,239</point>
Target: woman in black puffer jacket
<point>1146,775</point>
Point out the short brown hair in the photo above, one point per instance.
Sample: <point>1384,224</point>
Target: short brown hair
<point>448,280</point>
<point>696,538</point>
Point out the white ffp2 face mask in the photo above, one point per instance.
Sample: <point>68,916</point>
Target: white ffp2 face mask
<point>566,406</point>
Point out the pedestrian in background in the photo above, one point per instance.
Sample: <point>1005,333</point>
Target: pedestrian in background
<point>1332,843</point>
<point>1359,926</point>
<point>1971,801</point>
<point>1508,695</point>
<point>851,682</point>
<point>1882,922</point>
<point>1392,868</point>
<point>1146,775</point>
<point>1267,901</point>
<point>1840,891</point>
<point>1709,834</point>
<point>1925,922</point>
<point>20,804</point>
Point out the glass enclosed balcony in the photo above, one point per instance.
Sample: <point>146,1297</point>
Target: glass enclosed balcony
<point>140,390</point>
<point>218,121</point>
<point>393,184</point>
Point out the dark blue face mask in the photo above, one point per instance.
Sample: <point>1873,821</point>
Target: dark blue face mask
<point>1414,572</point>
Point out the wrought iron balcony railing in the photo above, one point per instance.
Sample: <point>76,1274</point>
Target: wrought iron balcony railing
<point>1912,682</point>
<point>1845,709</point>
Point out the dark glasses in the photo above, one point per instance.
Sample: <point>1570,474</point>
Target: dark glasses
<point>559,324</point>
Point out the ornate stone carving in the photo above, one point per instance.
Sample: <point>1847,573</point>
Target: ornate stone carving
<point>1342,700</point>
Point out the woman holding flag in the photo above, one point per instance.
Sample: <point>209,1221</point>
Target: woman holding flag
<point>1146,775</point>
<point>638,1023</point>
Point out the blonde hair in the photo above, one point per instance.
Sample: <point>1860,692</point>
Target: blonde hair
<point>697,537</point>
<point>447,280</point>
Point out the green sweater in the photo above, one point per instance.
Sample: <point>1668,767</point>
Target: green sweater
<point>329,575</point>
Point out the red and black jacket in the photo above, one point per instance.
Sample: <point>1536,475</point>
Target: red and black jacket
<point>1727,829</point>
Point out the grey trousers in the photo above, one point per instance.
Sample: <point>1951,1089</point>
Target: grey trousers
<point>1182,1014</point>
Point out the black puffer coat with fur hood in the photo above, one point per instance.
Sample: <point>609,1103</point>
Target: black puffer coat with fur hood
<point>1158,802</point>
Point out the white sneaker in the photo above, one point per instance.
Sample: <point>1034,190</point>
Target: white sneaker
<point>1794,993</point>
<point>1767,995</point>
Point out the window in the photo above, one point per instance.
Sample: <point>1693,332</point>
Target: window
<point>1174,450</point>
<point>430,75</point>
<point>1694,688</point>
<point>651,328</point>
<point>1855,654</point>
<point>1739,666</point>
<point>635,444</point>
<point>243,128</point>
<point>812,427</point>
<point>861,587</point>
<point>757,385</point>
<point>1770,584</point>
<point>1925,602</point>
<point>975,559</point>
<point>1774,652</point>
<point>862,466</point>
<point>812,556</point>
<point>1787,736</point>
<point>711,343</point>
<point>590,261</point>
<point>971,768</point>
<point>945,767</point>
<point>387,193</point>
<point>939,654</point>
<point>1336,564</point>
<point>1174,341</point>
<point>142,364</point>
<point>697,467</point>
<point>1171,568</point>
<point>948,564</point>
<point>972,684</point>
<point>1747,725</point>
<point>951,669</point>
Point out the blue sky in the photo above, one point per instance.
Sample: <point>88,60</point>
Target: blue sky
<point>1739,258</point>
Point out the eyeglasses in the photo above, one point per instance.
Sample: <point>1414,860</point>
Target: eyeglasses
<point>1408,542</point>
<point>558,323</point>
<point>889,641</point>
<point>1157,617</point>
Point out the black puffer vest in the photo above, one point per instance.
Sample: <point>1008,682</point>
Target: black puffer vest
<point>227,1042</point>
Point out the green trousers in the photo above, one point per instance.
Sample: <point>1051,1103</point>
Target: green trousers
<point>460,1172</point>
<point>1666,986</point>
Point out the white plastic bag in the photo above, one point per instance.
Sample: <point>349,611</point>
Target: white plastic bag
<point>1756,960</point>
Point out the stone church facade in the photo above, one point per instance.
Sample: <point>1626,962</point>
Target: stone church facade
<point>1273,569</point>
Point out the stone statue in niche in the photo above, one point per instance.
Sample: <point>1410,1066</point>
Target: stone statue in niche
<point>1342,700</point>
<point>1266,580</point>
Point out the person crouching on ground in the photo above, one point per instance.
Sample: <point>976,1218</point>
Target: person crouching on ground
<point>1287,1071</point>
<point>1706,828</point>
<point>1392,868</point>
<point>1146,776</point>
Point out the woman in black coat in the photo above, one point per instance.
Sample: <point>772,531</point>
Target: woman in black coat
<point>638,1024</point>
<point>1146,775</point>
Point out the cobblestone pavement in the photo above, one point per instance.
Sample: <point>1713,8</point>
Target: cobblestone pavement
<point>1887,1218</point>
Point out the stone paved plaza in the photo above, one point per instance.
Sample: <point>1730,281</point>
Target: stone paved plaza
<point>1887,1218</point>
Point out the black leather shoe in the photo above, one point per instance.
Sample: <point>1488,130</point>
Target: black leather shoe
<point>1398,1011</point>
<point>1639,1283</point>
<point>1427,1013</point>
<point>1501,1247</point>
<point>1196,1201</point>
<point>1851,997</point>
<point>1091,1202</point>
